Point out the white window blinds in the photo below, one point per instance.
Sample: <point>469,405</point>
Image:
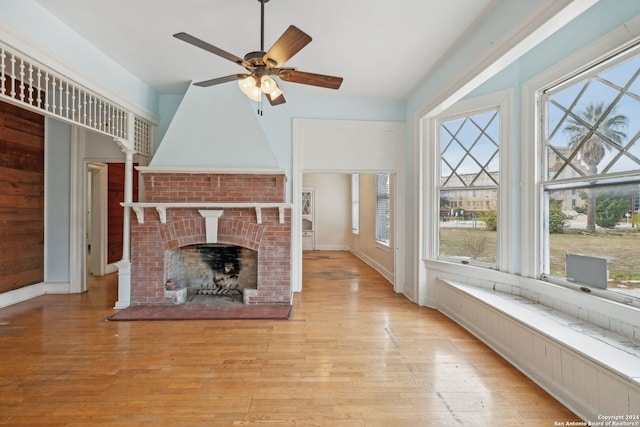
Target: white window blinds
<point>382,208</point>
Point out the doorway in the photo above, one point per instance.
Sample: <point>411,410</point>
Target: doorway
<point>346,214</point>
<point>340,146</point>
<point>96,218</point>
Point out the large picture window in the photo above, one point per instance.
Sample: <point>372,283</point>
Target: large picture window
<point>469,179</point>
<point>591,143</point>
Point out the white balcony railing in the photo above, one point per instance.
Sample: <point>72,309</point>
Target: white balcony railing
<point>26,83</point>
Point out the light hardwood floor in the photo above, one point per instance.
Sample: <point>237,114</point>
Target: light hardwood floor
<point>353,354</point>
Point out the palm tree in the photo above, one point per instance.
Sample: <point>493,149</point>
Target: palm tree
<point>592,135</point>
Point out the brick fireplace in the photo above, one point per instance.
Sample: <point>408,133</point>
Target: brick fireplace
<point>182,209</point>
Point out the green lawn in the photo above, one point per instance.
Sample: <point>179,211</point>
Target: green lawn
<point>620,247</point>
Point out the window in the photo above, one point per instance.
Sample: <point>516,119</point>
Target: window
<point>591,187</point>
<point>355,203</point>
<point>382,208</point>
<point>468,188</point>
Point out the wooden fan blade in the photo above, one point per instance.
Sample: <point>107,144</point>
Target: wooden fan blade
<point>218,80</point>
<point>277,101</point>
<point>209,48</point>
<point>289,43</point>
<point>312,79</point>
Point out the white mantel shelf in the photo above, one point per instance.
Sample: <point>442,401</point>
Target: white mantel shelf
<point>205,170</point>
<point>161,208</point>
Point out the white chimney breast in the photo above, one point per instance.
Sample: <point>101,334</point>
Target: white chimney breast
<point>215,127</point>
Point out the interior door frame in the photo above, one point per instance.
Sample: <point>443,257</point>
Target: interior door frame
<point>97,203</point>
<point>315,144</point>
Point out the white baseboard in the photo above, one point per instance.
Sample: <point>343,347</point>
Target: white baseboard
<point>374,264</point>
<point>22,294</point>
<point>32,291</point>
<point>58,288</point>
<point>332,248</point>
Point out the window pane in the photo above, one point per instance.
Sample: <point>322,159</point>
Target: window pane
<point>469,148</point>
<point>609,231</point>
<point>382,208</point>
<point>593,131</point>
<point>469,167</point>
<point>592,126</point>
<point>468,222</point>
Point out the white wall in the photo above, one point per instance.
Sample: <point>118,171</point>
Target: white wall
<point>332,225</point>
<point>364,244</point>
<point>57,200</point>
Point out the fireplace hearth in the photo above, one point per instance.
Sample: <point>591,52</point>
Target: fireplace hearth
<point>243,253</point>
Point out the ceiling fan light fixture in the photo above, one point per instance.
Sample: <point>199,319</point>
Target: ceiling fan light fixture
<point>267,84</point>
<point>249,86</point>
<point>255,94</point>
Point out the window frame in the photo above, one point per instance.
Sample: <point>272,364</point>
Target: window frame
<point>600,180</point>
<point>532,248</point>
<point>503,102</point>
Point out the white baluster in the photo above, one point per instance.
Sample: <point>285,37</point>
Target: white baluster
<point>66,106</point>
<point>60,101</point>
<point>52,98</point>
<point>30,84</point>
<point>46,91</point>
<point>73,104</point>
<point>90,111</point>
<point>84,109</point>
<point>116,122</point>
<point>13,76</point>
<point>96,114</point>
<point>22,78</point>
<point>100,115</point>
<point>39,94</point>
<point>3,56</point>
<point>105,122</point>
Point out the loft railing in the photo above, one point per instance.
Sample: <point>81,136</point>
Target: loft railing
<point>25,82</point>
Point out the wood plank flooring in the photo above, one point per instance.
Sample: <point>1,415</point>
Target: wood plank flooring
<point>353,354</point>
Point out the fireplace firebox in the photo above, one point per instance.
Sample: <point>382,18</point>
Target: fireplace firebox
<point>212,270</point>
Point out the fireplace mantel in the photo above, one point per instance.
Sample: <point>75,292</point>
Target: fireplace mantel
<point>161,208</point>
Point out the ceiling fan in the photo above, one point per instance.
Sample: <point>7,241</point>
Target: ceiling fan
<point>262,65</point>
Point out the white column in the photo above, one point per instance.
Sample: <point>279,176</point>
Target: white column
<point>128,198</point>
<point>124,265</point>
